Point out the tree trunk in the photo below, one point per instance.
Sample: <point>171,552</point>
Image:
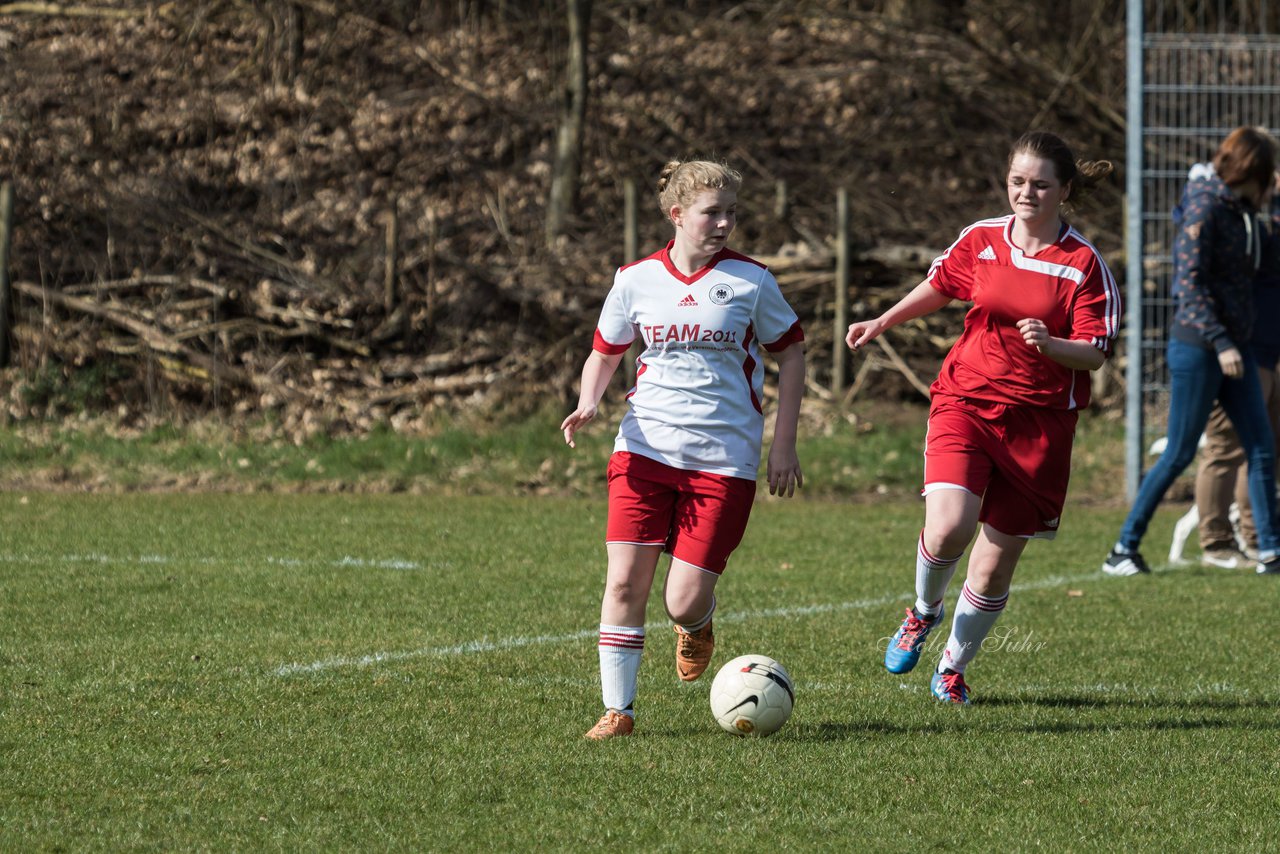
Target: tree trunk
<point>282,38</point>
<point>566,171</point>
<point>6,231</point>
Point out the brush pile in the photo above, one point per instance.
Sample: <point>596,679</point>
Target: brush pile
<point>302,209</point>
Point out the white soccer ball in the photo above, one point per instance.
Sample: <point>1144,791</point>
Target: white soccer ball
<point>752,695</point>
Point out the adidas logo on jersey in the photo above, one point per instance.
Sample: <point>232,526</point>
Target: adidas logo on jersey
<point>687,301</point>
<point>987,254</point>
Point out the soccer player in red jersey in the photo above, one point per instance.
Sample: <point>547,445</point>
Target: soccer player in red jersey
<point>682,477</point>
<point>1046,311</point>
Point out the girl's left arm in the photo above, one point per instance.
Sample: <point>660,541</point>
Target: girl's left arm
<point>1077,355</point>
<point>783,469</point>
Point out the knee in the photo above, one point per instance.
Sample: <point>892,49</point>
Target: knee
<point>989,579</point>
<point>1177,459</point>
<point>686,607</point>
<point>624,591</point>
<point>947,538</point>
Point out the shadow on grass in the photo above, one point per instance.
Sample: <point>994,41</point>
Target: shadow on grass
<point>1086,701</point>
<point>1206,713</point>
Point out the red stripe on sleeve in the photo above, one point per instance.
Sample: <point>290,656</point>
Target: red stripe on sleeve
<point>792,336</point>
<point>602,346</point>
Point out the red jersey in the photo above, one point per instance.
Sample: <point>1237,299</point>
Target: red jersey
<point>1066,285</point>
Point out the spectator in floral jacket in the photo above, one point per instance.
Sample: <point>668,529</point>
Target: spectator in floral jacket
<point>1217,254</point>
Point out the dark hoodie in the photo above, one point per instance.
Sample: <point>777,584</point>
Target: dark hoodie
<point>1266,293</point>
<point>1217,252</point>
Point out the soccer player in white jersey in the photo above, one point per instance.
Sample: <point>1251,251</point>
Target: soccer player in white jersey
<point>682,476</point>
<point>1045,312</point>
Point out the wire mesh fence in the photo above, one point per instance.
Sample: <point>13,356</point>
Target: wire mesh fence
<point>1197,70</point>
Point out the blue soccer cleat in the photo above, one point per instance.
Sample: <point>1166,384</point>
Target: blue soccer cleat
<point>948,686</point>
<point>904,648</point>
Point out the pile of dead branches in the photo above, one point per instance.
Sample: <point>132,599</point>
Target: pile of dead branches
<point>356,233</point>
<point>292,346</point>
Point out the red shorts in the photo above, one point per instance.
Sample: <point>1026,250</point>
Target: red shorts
<point>1017,458</point>
<point>698,517</point>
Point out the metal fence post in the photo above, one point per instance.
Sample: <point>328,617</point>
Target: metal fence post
<point>1133,251</point>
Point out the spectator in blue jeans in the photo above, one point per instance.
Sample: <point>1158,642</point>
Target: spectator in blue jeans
<point>1217,252</point>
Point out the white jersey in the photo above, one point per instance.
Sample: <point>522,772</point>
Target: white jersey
<point>700,378</point>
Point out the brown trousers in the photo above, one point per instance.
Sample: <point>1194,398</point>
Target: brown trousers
<point>1223,477</point>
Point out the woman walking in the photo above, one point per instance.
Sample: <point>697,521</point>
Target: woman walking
<point>1217,253</point>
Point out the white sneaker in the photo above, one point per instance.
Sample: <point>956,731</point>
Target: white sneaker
<point>1224,558</point>
<point>1121,564</point>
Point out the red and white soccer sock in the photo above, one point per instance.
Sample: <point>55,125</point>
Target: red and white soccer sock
<point>620,651</point>
<point>974,617</point>
<point>933,574</point>
<point>695,626</point>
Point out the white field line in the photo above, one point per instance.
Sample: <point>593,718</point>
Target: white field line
<point>1031,691</point>
<point>502,644</point>
<point>344,562</point>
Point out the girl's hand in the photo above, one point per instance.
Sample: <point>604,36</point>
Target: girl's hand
<point>576,421</point>
<point>783,471</point>
<point>1034,332</point>
<point>863,332</point>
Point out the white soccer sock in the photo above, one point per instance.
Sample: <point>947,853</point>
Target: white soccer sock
<point>620,651</point>
<point>933,574</point>
<point>693,627</point>
<point>975,615</point>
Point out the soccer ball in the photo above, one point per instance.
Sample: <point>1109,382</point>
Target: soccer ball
<point>752,695</point>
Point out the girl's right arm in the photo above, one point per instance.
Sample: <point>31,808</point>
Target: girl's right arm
<point>596,373</point>
<point>922,300</point>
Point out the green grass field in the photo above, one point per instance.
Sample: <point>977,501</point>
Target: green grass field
<point>871,451</point>
<point>284,672</point>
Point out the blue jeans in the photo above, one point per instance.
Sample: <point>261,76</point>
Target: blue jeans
<point>1196,381</point>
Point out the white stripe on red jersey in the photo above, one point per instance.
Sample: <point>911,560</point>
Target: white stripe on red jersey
<point>1067,285</point>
